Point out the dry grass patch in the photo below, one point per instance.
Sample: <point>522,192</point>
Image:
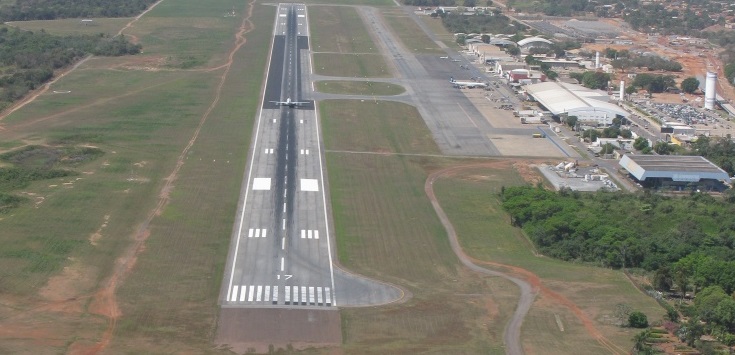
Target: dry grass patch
<point>375,126</point>
<point>351,65</point>
<point>409,32</point>
<point>338,29</point>
<point>74,26</point>
<point>359,88</point>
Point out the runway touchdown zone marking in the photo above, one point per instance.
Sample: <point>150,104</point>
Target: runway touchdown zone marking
<point>309,234</point>
<point>257,233</point>
<point>262,184</point>
<point>309,185</point>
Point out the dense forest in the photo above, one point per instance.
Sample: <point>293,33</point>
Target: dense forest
<point>24,10</point>
<point>648,231</point>
<point>30,58</point>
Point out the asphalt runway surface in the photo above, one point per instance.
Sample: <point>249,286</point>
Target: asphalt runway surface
<point>281,253</point>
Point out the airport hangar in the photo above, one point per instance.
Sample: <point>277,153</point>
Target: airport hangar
<point>592,107</point>
<point>675,172</point>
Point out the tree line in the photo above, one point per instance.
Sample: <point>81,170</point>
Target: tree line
<point>618,230</point>
<point>24,10</point>
<point>30,58</point>
<point>479,23</point>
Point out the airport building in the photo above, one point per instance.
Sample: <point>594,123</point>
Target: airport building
<point>533,42</point>
<point>592,107</point>
<point>676,172</point>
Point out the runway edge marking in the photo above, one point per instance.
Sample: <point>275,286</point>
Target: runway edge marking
<point>252,156</point>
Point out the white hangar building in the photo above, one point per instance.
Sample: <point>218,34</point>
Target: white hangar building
<point>592,107</point>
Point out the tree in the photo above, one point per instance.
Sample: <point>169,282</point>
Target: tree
<point>608,148</point>
<point>469,3</point>
<point>640,143</point>
<point>638,319</point>
<point>662,148</point>
<point>662,279</point>
<point>639,343</point>
<point>690,85</point>
<point>513,50</point>
<point>571,121</point>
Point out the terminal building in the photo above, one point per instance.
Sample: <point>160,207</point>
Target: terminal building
<point>675,172</point>
<point>592,107</point>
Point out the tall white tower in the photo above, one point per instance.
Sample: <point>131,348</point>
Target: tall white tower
<point>710,91</point>
<point>597,60</point>
<point>622,90</point>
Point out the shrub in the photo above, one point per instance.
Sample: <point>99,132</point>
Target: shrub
<point>638,319</point>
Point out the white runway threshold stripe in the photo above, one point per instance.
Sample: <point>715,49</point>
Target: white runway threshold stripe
<point>301,295</point>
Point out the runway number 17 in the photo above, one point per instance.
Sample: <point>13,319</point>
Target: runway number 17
<point>284,276</point>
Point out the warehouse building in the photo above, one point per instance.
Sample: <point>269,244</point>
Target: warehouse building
<point>592,107</point>
<point>675,172</point>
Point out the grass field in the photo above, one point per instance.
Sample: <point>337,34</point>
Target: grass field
<point>359,87</point>
<point>71,26</point>
<point>471,201</point>
<point>351,65</point>
<point>409,32</point>
<point>385,228</point>
<point>436,26</point>
<point>352,2</point>
<point>389,125</point>
<point>68,236</point>
<point>339,29</point>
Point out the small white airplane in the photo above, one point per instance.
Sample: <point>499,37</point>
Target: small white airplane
<point>467,84</point>
<point>290,103</point>
<point>444,57</point>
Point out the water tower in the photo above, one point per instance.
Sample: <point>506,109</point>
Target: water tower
<point>710,91</point>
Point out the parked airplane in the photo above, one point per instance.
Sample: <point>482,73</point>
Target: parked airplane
<point>290,103</point>
<point>444,57</point>
<point>467,84</point>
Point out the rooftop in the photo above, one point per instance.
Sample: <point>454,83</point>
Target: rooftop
<point>562,98</point>
<point>676,167</point>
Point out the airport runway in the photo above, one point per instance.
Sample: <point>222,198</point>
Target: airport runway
<point>281,250</point>
<point>281,255</point>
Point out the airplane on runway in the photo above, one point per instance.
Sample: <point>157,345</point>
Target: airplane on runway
<point>290,103</point>
<point>467,84</point>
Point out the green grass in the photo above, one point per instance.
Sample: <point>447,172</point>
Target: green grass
<point>74,26</point>
<point>351,65</point>
<point>436,26</point>
<point>393,127</point>
<point>352,2</point>
<point>409,32</point>
<point>471,201</point>
<point>338,29</point>
<point>359,87</point>
<point>141,120</point>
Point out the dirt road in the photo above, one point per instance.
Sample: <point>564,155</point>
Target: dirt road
<point>512,333</point>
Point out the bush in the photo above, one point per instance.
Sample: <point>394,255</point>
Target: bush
<point>638,319</point>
